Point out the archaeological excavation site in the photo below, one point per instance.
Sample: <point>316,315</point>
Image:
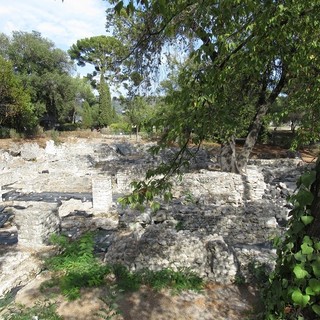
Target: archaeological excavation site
<point>217,225</point>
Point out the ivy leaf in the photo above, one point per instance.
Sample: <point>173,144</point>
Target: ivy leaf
<point>308,178</point>
<point>315,285</point>
<point>309,291</point>
<point>316,268</point>
<point>317,245</point>
<point>307,219</point>
<point>306,248</point>
<point>300,272</point>
<point>299,298</point>
<point>304,197</point>
<point>316,309</point>
<point>307,240</point>
<point>300,257</point>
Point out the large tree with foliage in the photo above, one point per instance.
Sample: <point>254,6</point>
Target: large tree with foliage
<point>15,103</point>
<point>45,72</point>
<point>105,54</point>
<point>244,54</point>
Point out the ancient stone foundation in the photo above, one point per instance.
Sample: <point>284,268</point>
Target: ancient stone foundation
<point>217,224</point>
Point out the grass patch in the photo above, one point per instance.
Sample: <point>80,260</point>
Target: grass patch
<point>166,278</point>
<point>45,311</point>
<point>6,300</point>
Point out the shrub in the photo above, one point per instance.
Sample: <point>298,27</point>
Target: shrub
<point>120,127</point>
<point>4,132</point>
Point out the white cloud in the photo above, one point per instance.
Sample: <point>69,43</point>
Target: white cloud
<point>61,22</point>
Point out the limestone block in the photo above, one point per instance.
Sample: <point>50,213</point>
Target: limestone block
<point>50,148</point>
<point>31,151</point>
<point>123,179</point>
<point>102,193</point>
<point>36,221</point>
<point>16,269</point>
<point>71,205</point>
<point>223,268</point>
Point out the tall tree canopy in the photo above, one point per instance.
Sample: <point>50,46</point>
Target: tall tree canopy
<point>105,54</point>
<point>244,54</point>
<point>14,100</point>
<point>44,71</point>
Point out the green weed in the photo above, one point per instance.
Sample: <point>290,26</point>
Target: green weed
<point>165,278</point>
<point>6,300</point>
<point>45,311</point>
<point>76,266</point>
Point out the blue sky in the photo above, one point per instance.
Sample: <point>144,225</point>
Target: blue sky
<point>61,22</point>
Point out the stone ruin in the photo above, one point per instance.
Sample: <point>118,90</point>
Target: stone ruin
<point>216,225</point>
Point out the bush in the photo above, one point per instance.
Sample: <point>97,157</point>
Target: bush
<point>4,132</point>
<point>120,127</point>
<point>69,127</point>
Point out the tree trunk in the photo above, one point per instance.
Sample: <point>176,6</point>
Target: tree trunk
<point>230,161</point>
<point>314,228</point>
<point>238,163</point>
<point>227,157</point>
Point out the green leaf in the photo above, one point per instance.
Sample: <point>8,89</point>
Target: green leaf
<point>299,298</point>
<point>315,285</point>
<point>300,272</point>
<point>307,240</point>
<point>317,245</point>
<point>316,268</point>
<point>118,7</point>
<point>306,248</point>
<point>308,178</point>
<point>304,197</point>
<point>309,291</point>
<point>316,309</point>
<point>307,219</point>
<point>300,257</point>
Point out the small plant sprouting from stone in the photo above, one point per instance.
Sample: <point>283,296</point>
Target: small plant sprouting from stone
<point>179,226</point>
<point>189,197</point>
<point>54,135</point>
<point>239,280</point>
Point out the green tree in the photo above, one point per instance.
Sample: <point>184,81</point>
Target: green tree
<point>44,70</point>
<point>105,54</point>
<point>138,111</point>
<point>106,114</point>
<point>244,56</point>
<point>14,100</point>
<point>87,117</point>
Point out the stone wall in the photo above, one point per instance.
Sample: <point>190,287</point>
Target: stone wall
<point>218,224</point>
